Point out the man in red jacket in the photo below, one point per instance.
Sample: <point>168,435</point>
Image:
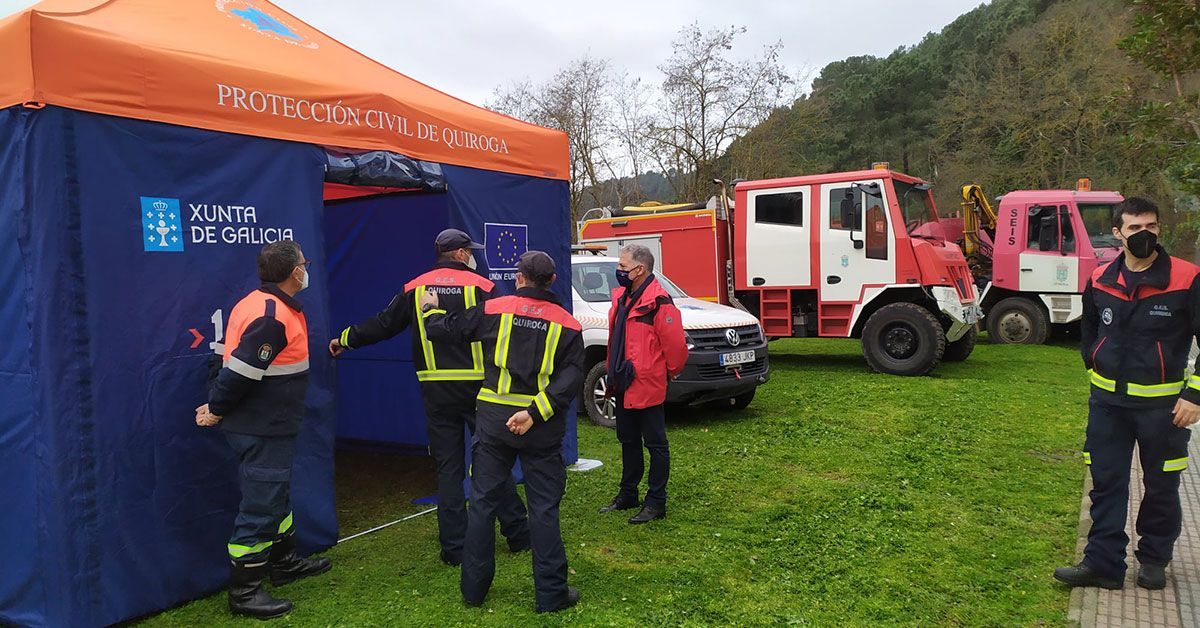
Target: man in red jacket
<point>646,347</point>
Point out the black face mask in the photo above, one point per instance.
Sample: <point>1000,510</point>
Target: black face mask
<point>1142,243</point>
<point>623,279</point>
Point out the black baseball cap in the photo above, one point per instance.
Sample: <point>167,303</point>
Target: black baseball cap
<point>453,239</point>
<point>536,266</point>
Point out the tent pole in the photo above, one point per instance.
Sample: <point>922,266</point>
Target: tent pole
<point>378,528</point>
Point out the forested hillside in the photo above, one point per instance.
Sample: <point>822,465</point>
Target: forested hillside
<point>1015,94</point>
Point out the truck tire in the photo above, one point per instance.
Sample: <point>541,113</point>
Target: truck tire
<point>960,349</point>
<point>903,339</point>
<point>1018,321</point>
<point>602,412</point>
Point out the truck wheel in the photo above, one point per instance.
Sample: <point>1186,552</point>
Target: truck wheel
<point>958,350</point>
<point>601,411</point>
<point>1017,321</point>
<point>903,339</point>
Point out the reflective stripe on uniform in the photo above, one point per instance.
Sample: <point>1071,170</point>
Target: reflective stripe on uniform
<point>288,369</point>
<point>1102,382</point>
<point>517,400</point>
<point>543,404</point>
<point>546,370</point>
<point>503,339</point>
<point>1087,458</point>
<point>450,375</point>
<point>510,399</point>
<point>238,551</point>
<point>426,346</point>
<point>1194,382</point>
<point>286,524</point>
<point>345,338</point>
<point>1154,390</point>
<point>1177,464</point>
<point>243,369</point>
<point>471,300</point>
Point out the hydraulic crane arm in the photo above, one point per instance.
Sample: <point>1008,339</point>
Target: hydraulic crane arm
<point>978,215</point>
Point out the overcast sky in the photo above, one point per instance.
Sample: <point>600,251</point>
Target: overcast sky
<point>468,47</point>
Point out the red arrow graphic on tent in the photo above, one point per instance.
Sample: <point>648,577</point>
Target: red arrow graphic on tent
<point>199,337</point>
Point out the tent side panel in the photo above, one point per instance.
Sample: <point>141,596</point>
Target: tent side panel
<point>22,592</point>
<point>170,222</point>
<point>508,214</point>
<point>375,246</point>
<point>50,238</point>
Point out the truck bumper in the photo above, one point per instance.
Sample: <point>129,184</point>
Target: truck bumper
<point>704,379</point>
<point>963,316</point>
<point>1063,308</point>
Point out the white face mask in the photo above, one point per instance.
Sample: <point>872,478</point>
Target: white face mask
<point>304,280</point>
<point>471,262</point>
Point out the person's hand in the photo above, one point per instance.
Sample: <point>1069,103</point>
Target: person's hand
<point>520,422</point>
<point>429,298</point>
<point>1186,413</point>
<point>336,348</point>
<point>205,417</point>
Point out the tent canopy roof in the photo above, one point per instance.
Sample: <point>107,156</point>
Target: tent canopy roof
<point>247,66</point>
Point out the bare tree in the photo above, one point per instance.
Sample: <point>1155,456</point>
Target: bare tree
<point>708,100</point>
<point>575,100</point>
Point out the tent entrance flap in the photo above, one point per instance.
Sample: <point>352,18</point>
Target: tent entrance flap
<point>374,245</point>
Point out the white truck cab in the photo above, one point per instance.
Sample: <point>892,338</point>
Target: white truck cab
<point>727,352</point>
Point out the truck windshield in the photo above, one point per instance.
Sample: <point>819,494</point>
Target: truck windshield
<point>1097,219</point>
<point>595,281</point>
<point>916,205</point>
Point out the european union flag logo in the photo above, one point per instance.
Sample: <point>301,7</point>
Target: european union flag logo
<point>504,244</point>
<point>162,225</point>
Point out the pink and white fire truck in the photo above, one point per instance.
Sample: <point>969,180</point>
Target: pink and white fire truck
<point>1033,257</point>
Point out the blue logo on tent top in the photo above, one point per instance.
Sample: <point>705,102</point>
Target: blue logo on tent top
<point>162,226</point>
<point>264,22</point>
<point>250,15</point>
<point>504,244</point>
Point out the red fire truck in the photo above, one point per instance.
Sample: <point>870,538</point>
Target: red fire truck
<point>845,255</point>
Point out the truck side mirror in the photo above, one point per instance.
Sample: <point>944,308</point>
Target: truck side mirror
<point>1067,238</point>
<point>1048,235</point>
<point>851,214</point>
<point>871,189</point>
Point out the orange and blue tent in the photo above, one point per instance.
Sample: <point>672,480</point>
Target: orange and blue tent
<point>148,150</point>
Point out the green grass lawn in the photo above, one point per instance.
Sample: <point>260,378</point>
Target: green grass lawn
<point>840,497</point>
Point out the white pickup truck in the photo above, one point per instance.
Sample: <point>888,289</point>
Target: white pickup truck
<point>727,353</point>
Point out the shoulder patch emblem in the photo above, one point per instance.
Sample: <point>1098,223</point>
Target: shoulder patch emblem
<point>264,352</point>
<point>1107,316</point>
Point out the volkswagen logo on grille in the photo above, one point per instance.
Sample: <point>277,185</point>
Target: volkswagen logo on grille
<point>732,337</point>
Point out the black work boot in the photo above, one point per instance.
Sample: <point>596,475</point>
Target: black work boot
<point>570,600</point>
<point>287,567</point>
<point>520,544</point>
<point>246,596</point>
<point>649,513</point>
<point>1153,577</point>
<point>1083,576</point>
<point>621,503</point>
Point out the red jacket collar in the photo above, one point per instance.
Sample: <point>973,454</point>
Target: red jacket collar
<point>649,296</point>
